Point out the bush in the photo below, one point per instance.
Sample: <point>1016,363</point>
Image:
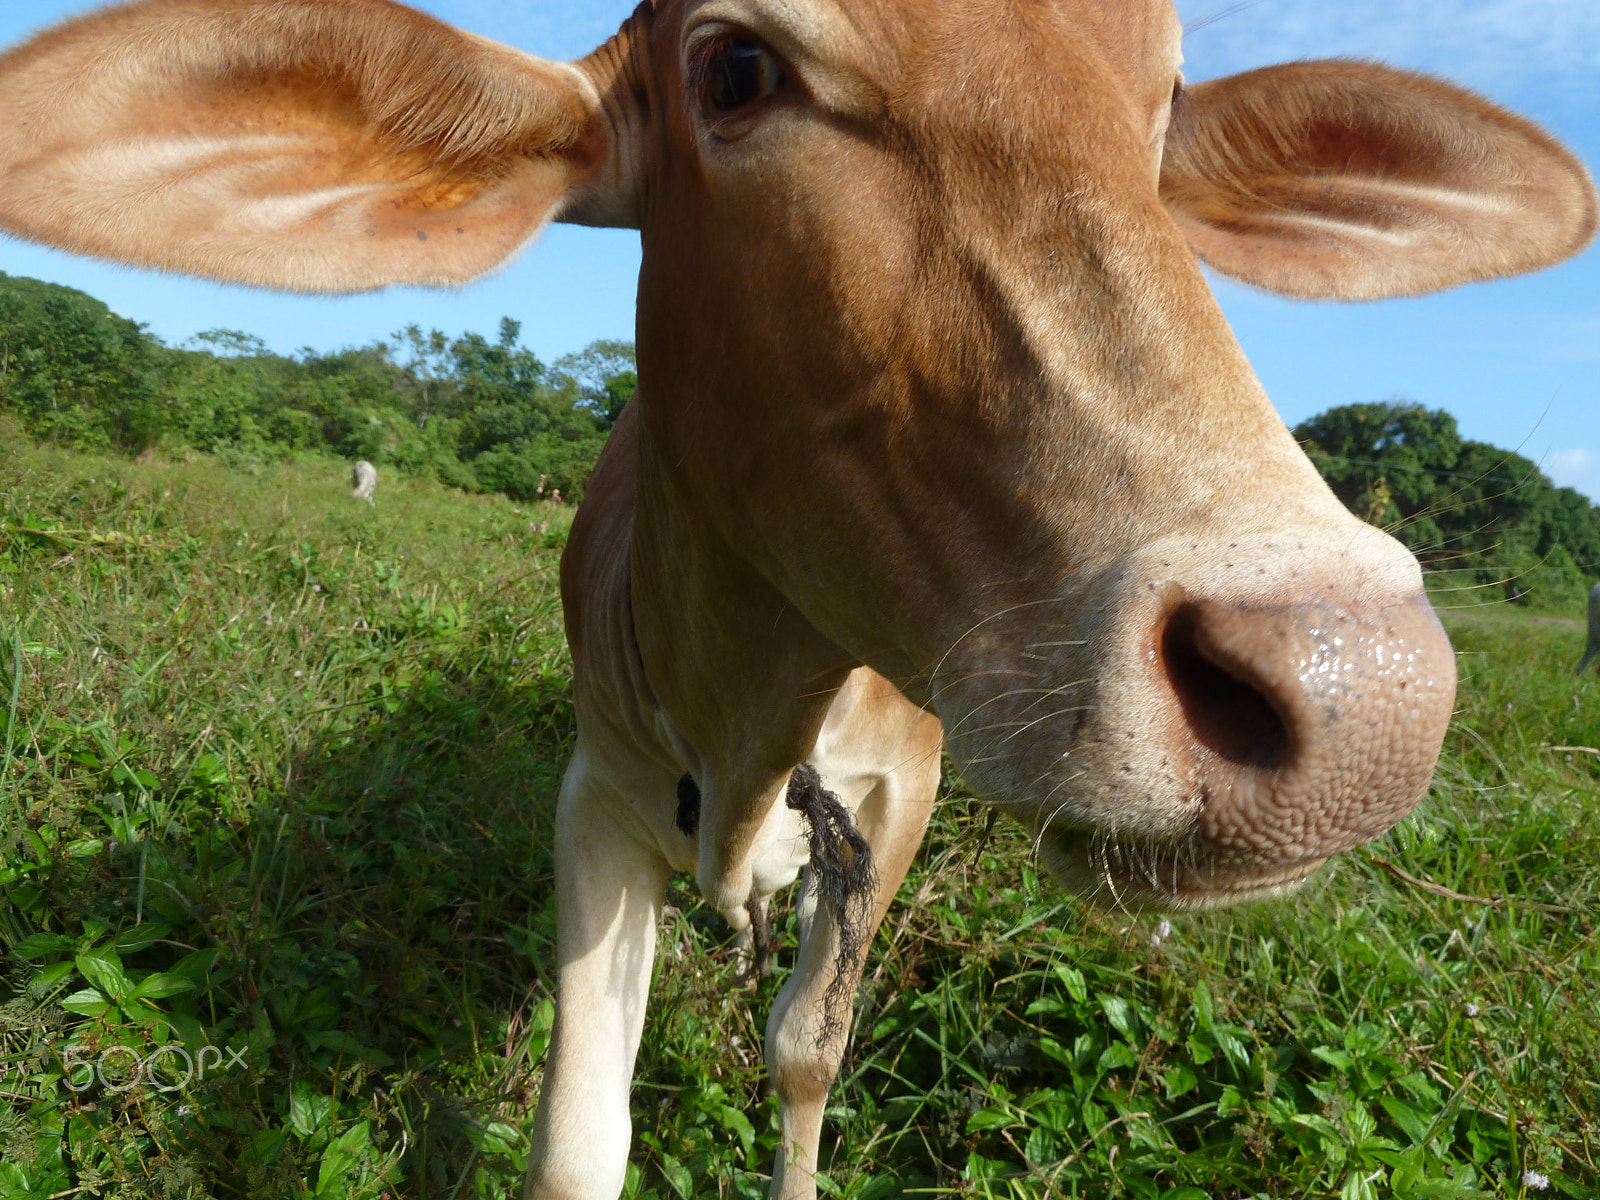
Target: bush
<point>475,414</point>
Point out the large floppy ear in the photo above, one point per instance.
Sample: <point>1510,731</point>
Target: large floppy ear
<point>315,145</point>
<point>1353,181</point>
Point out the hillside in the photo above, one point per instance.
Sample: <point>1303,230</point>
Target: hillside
<point>478,414</point>
<point>489,416</point>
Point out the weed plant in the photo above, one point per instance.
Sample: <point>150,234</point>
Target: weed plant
<point>276,778</point>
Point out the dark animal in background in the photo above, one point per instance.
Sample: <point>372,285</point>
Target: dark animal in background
<point>363,481</point>
<point>1591,648</point>
<point>940,438</point>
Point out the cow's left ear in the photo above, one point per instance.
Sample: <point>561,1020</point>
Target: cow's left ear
<point>315,145</point>
<point>1354,181</point>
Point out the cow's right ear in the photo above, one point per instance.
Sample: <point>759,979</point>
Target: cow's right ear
<point>314,145</point>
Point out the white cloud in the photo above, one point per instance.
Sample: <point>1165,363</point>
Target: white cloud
<point>1507,47</point>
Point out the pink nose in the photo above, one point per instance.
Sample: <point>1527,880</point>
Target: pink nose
<point>1306,729</point>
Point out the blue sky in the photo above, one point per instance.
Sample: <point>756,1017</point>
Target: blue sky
<point>1517,361</point>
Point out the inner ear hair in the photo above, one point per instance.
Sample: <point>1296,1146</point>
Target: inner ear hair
<point>1353,180</point>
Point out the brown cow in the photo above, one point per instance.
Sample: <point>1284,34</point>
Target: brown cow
<point>941,437</point>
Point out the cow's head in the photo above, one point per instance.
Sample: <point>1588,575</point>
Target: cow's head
<point>923,337</point>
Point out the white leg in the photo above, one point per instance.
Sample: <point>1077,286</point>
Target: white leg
<point>609,891</point>
<point>801,1061</point>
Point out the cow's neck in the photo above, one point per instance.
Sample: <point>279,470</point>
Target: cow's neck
<point>739,674</point>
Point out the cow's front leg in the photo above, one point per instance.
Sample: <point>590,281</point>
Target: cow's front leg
<point>609,890</point>
<point>808,1028</point>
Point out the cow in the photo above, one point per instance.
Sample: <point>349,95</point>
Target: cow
<point>941,442</point>
<point>363,481</point>
<point>1591,648</point>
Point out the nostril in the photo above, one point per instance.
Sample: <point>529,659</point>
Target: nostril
<point>1226,714</point>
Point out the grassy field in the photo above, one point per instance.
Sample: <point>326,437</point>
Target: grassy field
<point>276,776</point>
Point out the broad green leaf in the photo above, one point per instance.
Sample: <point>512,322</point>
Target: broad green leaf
<point>159,986</point>
<point>104,970</point>
<point>86,1003</point>
<point>1118,1055</point>
<point>37,945</point>
<point>309,1111</point>
<point>1404,1114</point>
<point>137,938</point>
<point>677,1175</point>
<point>1320,1124</point>
<point>1121,1015</point>
<point>1229,1039</point>
<point>990,1118</point>
<point>1334,1058</point>
<point>736,1123</point>
<point>188,1030</point>
<point>1072,979</point>
<point>141,1013</point>
<point>1180,1080</point>
<point>269,1144</point>
<point>50,976</point>
<point>197,964</point>
<point>495,1137</point>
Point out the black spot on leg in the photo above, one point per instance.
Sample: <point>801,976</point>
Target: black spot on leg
<point>688,816</point>
<point>421,237</point>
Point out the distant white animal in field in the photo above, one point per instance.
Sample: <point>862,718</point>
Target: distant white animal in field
<point>1592,649</point>
<point>363,481</point>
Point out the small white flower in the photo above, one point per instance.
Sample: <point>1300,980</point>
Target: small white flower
<point>1155,941</point>
<point>316,587</point>
<point>1536,1181</point>
<point>1163,928</point>
<point>1470,1009</point>
<point>297,674</point>
<point>183,1110</point>
<point>736,1041</point>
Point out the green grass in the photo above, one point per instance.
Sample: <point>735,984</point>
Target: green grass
<point>276,776</point>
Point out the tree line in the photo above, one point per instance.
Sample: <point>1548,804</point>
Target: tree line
<point>489,416</point>
<point>476,414</point>
<point>1487,516</point>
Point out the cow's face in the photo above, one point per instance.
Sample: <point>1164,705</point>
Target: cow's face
<point>922,339</point>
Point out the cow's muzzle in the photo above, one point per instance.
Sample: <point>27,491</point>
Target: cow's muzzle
<point>1285,734</point>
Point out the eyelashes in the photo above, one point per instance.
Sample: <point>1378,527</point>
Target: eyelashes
<point>730,73</point>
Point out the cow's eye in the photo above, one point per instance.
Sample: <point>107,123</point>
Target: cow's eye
<point>734,72</point>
